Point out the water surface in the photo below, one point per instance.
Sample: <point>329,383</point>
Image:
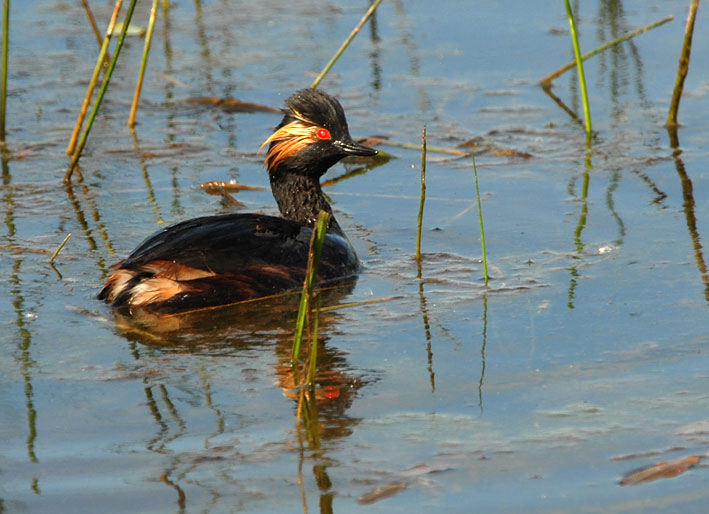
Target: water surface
<point>583,360</point>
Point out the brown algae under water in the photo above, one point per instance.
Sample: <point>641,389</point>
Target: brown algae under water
<point>583,361</point>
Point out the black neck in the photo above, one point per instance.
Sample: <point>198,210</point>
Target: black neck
<point>300,198</point>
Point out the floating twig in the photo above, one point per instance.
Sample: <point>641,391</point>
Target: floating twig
<point>101,93</point>
<point>423,194</point>
<point>143,63</point>
<point>346,43</point>
<point>229,104</point>
<point>564,69</point>
<point>480,217</point>
<point>358,304</point>
<point>219,188</point>
<point>216,186</point>
<point>215,308</point>
<point>683,65</point>
<point>480,146</point>
<point>410,146</point>
<point>59,249</point>
<point>662,470</point>
<point>22,249</point>
<point>382,492</point>
<point>579,65</point>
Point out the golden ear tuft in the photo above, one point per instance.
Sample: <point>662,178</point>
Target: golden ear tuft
<point>290,139</point>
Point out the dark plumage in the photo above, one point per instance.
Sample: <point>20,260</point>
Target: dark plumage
<point>217,260</point>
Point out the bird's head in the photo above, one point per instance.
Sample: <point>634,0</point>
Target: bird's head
<point>312,136</point>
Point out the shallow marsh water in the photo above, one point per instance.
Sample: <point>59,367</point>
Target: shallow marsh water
<point>584,360</point>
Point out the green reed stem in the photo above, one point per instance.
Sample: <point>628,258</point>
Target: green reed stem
<point>480,217</point>
<point>423,194</point>
<point>102,91</point>
<point>563,69</point>
<point>683,68</point>
<point>346,43</point>
<point>59,248</point>
<point>579,65</point>
<point>3,72</point>
<point>103,54</point>
<point>316,244</point>
<point>314,345</point>
<point>143,63</point>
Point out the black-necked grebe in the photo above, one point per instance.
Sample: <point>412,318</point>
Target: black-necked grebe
<point>216,260</point>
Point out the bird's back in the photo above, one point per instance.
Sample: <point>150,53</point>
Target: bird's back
<point>224,259</point>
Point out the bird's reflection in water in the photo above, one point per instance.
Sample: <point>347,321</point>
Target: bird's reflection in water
<point>228,330</point>
<point>239,329</point>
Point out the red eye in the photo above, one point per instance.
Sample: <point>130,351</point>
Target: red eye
<point>323,134</point>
